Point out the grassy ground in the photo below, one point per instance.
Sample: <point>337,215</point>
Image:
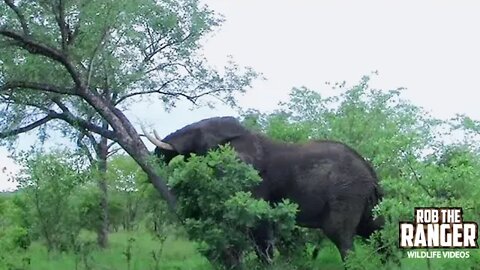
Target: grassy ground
<point>129,251</point>
<point>140,251</point>
<point>135,251</point>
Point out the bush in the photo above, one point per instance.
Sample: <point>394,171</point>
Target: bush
<point>219,211</point>
<point>49,183</point>
<point>14,237</point>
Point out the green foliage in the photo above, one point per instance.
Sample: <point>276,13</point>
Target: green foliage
<point>217,208</point>
<point>403,143</point>
<point>48,183</point>
<point>118,50</point>
<point>177,254</point>
<point>380,125</point>
<point>415,167</point>
<point>86,201</point>
<point>14,234</point>
<point>133,201</point>
<point>127,191</point>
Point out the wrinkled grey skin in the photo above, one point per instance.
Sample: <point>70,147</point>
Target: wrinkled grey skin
<point>333,185</point>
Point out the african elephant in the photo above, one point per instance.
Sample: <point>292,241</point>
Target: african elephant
<point>335,188</point>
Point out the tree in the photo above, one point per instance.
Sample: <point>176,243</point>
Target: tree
<point>128,185</point>
<point>98,149</point>
<point>49,183</point>
<point>81,62</point>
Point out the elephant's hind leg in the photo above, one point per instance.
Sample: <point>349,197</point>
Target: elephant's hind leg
<point>340,224</point>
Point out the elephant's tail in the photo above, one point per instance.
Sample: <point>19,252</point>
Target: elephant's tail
<point>369,224</point>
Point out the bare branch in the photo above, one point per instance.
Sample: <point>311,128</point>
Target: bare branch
<point>153,41</point>
<point>60,104</point>
<point>415,175</point>
<point>26,128</point>
<point>191,98</point>
<point>207,93</point>
<point>166,45</point>
<point>169,64</point>
<point>111,144</point>
<point>123,98</point>
<point>113,151</point>
<point>35,86</point>
<point>85,132</point>
<point>79,122</point>
<point>59,11</point>
<point>66,116</point>
<point>84,148</point>
<point>20,16</point>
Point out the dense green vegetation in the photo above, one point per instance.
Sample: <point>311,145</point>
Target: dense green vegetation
<point>51,220</point>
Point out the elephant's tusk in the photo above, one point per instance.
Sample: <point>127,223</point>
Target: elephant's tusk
<point>156,135</point>
<point>157,141</point>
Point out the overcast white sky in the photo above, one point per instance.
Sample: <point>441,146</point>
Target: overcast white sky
<point>430,47</point>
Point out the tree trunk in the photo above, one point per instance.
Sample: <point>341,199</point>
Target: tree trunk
<point>43,223</point>
<point>102,230</point>
<point>130,141</point>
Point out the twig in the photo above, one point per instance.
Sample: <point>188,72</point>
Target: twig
<point>417,178</point>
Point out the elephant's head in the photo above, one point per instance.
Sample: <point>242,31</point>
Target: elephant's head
<point>198,137</point>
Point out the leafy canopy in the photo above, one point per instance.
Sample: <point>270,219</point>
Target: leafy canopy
<point>84,62</point>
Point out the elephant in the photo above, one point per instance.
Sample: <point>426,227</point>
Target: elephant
<point>333,185</point>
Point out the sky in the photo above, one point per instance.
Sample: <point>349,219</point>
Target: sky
<point>432,48</point>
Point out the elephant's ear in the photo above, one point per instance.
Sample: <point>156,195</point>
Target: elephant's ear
<point>210,139</point>
<point>201,139</point>
<point>184,143</point>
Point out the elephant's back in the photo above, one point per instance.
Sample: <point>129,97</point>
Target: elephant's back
<point>320,169</point>
<point>344,155</point>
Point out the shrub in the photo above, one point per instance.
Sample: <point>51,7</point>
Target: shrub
<point>218,209</point>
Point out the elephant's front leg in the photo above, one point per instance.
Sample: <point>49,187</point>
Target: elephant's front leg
<point>264,241</point>
<point>263,235</point>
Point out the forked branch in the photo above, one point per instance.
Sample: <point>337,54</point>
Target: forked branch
<point>20,16</point>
